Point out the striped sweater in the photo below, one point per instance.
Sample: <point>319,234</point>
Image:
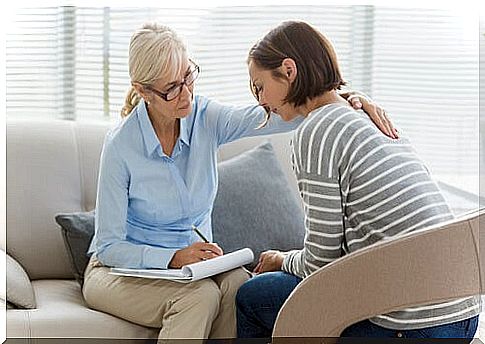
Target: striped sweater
<point>358,187</point>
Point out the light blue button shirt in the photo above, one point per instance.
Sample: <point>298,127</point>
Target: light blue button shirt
<point>147,201</point>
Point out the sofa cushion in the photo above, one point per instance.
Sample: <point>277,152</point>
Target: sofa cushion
<point>255,207</point>
<point>62,312</point>
<point>20,292</point>
<point>77,231</point>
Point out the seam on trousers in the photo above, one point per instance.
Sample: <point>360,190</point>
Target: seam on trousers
<point>169,323</point>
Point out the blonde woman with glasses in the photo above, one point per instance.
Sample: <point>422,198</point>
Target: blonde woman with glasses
<point>157,179</point>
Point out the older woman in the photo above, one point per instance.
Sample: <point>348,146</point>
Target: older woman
<point>157,178</point>
<point>358,187</point>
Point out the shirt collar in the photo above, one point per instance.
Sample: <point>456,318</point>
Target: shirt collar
<point>184,131</point>
<point>147,131</point>
<point>149,136</point>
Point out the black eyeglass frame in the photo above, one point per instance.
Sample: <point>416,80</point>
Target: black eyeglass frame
<point>180,85</point>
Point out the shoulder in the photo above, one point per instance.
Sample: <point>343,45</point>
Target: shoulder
<point>122,128</point>
<point>123,133</point>
<point>331,120</point>
<point>200,106</point>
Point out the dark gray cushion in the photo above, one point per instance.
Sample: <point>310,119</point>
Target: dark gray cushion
<point>77,231</point>
<point>255,207</point>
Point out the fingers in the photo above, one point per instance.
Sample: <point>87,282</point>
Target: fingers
<point>379,116</point>
<point>355,101</point>
<point>390,126</point>
<point>259,267</point>
<point>202,246</point>
<point>376,116</point>
<point>205,255</point>
<point>386,125</point>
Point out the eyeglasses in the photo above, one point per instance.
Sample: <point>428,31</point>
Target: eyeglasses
<point>174,91</point>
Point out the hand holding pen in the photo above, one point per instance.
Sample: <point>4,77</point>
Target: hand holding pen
<point>196,252</point>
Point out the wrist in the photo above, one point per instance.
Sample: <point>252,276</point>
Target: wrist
<point>174,262</point>
<point>281,259</point>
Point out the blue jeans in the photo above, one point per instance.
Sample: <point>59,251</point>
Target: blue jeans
<point>259,300</point>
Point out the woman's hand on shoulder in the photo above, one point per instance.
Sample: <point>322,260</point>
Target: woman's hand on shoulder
<point>194,253</point>
<point>376,113</point>
<point>271,260</point>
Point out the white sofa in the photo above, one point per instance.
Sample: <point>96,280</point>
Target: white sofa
<point>52,167</point>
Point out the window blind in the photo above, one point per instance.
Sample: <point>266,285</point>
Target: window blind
<point>31,63</point>
<point>425,73</point>
<point>421,65</point>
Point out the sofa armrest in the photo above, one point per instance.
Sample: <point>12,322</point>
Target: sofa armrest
<point>423,267</point>
<point>20,291</point>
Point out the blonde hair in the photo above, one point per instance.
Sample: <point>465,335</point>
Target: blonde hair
<point>155,52</point>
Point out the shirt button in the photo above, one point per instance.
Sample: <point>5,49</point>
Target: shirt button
<point>399,334</point>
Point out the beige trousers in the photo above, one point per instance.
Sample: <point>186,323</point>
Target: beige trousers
<point>198,310</point>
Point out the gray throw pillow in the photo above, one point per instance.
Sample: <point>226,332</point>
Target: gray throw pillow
<point>255,207</point>
<point>77,231</point>
<point>20,293</point>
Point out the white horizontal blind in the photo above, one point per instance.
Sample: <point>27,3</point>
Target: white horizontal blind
<point>31,62</point>
<point>425,73</point>
<point>91,66</point>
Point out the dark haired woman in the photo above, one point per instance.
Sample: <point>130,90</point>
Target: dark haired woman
<point>357,185</point>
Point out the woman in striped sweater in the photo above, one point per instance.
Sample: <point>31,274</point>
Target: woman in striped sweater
<point>357,186</point>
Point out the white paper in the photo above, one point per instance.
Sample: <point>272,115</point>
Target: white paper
<point>150,273</point>
<point>195,271</point>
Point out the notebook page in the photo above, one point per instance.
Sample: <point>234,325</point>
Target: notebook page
<point>219,264</point>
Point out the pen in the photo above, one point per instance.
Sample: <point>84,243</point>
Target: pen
<point>199,234</point>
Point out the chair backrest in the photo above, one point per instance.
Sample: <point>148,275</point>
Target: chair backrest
<point>427,266</point>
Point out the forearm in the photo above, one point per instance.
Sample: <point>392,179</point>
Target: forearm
<point>124,254</point>
<point>230,123</point>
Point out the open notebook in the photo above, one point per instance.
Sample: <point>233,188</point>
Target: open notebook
<point>195,271</point>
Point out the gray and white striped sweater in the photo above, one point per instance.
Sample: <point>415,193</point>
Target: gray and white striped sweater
<point>358,187</point>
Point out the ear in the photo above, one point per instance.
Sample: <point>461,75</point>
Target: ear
<point>141,90</point>
<point>289,69</point>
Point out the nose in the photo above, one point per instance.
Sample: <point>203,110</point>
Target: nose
<point>186,91</point>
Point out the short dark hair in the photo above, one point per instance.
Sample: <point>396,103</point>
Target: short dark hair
<point>314,55</point>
